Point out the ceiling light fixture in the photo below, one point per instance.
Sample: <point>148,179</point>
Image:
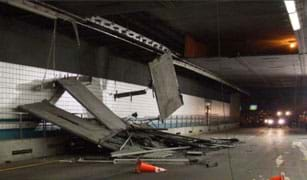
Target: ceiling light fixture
<point>291,9</point>
<point>290,5</point>
<point>295,22</point>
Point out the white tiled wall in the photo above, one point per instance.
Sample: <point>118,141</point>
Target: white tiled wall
<point>16,82</point>
<point>220,108</point>
<point>192,106</point>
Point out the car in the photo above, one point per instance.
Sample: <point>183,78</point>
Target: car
<point>281,119</point>
<point>277,122</point>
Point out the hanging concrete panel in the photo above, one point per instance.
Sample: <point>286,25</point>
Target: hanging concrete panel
<point>88,130</point>
<point>82,94</point>
<point>166,85</point>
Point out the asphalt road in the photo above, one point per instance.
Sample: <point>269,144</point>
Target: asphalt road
<point>264,153</point>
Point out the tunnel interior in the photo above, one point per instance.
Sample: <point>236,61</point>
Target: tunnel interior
<point>90,86</point>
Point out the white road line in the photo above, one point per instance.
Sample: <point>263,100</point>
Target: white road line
<point>279,161</point>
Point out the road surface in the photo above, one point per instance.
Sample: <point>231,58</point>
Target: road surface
<point>264,153</point>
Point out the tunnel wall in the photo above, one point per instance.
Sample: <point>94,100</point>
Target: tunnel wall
<point>23,149</point>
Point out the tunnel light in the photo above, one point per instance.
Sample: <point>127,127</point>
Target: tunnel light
<point>295,21</point>
<point>291,9</point>
<point>290,6</point>
<point>279,113</point>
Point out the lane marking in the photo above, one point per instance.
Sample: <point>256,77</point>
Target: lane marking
<point>279,161</point>
<point>28,166</point>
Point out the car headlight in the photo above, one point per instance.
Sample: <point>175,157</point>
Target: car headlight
<point>279,113</point>
<point>265,121</point>
<point>288,113</point>
<point>281,121</point>
<point>270,121</point>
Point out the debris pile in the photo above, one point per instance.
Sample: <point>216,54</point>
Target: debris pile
<point>152,145</point>
<point>127,142</point>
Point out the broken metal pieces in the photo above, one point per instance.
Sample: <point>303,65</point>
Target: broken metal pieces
<point>122,154</point>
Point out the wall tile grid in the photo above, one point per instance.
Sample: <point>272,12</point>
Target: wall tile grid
<point>16,82</point>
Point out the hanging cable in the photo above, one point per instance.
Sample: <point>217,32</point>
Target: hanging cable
<point>51,53</point>
<point>54,47</point>
<point>295,86</point>
<point>75,27</point>
<point>76,31</point>
<point>222,87</point>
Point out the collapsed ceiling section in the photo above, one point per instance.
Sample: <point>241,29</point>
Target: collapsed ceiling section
<point>108,131</point>
<point>165,85</point>
<point>106,123</point>
<point>127,36</point>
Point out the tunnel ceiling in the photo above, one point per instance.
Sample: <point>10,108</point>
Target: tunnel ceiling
<point>254,35</point>
<point>247,27</point>
<point>250,72</point>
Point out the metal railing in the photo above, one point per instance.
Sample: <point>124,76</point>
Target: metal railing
<point>22,121</point>
<point>178,121</point>
<point>19,116</point>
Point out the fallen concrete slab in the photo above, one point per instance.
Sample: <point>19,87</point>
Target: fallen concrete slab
<point>82,94</point>
<point>90,131</point>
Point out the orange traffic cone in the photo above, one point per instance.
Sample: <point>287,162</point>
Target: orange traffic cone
<point>145,167</point>
<point>277,178</point>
